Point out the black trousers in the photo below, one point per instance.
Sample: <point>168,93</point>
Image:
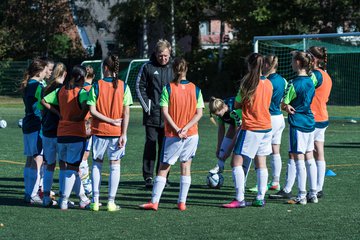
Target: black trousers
<point>154,138</point>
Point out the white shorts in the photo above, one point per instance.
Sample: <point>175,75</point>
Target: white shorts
<point>107,144</point>
<point>278,125</point>
<point>300,142</point>
<point>88,144</point>
<point>319,134</point>
<point>175,148</point>
<point>250,143</point>
<point>32,144</point>
<point>50,146</point>
<point>71,152</point>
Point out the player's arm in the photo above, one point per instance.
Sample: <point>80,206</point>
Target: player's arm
<point>290,94</point>
<point>198,114</point>
<point>92,98</point>
<point>141,85</point>
<point>125,117</point>
<point>221,134</point>
<point>237,103</point>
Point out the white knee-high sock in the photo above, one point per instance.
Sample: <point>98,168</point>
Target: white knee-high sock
<point>321,167</point>
<point>312,175</point>
<point>48,181</point>
<point>114,180</point>
<point>158,188</point>
<point>290,175</point>
<point>185,182</point>
<point>61,181</point>
<point>262,179</point>
<point>35,181</point>
<point>239,182</point>
<point>27,180</point>
<point>96,180</point>
<point>70,177</point>
<point>301,177</point>
<point>79,188</point>
<point>276,167</point>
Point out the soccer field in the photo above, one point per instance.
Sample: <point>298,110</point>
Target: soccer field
<point>337,216</point>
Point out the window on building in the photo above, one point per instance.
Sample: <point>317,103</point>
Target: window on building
<point>204,28</point>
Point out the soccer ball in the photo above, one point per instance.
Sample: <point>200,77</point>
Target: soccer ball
<point>3,123</point>
<point>20,123</point>
<point>215,180</point>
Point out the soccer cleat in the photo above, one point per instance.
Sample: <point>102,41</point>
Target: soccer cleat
<point>181,206</point>
<point>258,203</point>
<point>94,207</point>
<point>84,203</point>
<point>216,169</point>
<point>112,207</point>
<point>320,194</point>
<point>71,204</point>
<point>281,195</point>
<point>48,202</point>
<point>36,200</point>
<point>149,182</point>
<point>254,189</point>
<point>235,204</point>
<point>272,186</point>
<point>150,206</point>
<point>297,200</point>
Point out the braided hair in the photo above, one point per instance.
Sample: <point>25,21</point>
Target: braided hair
<point>113,64</point>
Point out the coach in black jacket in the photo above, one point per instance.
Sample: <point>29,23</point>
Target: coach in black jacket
<point>152,77</point>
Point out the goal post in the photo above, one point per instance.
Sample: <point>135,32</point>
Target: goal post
<point>343,60</point>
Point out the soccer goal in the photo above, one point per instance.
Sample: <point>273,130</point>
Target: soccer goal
<point>343,60</point>
<point>129,70</point>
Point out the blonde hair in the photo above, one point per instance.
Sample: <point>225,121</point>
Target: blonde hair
<point>272,61</point>
<point>162,45</point>
<point>180,68</point>
<point>215,105</point>
<point>58,72</point>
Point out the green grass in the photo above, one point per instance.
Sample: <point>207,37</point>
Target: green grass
<point>335,217</point>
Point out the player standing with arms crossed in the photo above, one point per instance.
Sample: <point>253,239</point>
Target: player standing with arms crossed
<point>182,105</point>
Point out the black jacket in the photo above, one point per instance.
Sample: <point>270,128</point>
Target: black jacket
<point>151,79</point>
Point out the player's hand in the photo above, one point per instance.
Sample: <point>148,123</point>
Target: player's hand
<point>289,109</point>
<point>122,141</point>
<point>117,122</point>
<point>182,133</point>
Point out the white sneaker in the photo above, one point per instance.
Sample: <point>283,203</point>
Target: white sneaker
<point>36,200</point>
<point>63,204</point>
<point>313,199</point>
<point>216,170</point>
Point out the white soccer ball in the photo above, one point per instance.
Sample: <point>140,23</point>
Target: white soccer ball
<point>3,123</point>
<point>215,180</point>
<point>20,123</point>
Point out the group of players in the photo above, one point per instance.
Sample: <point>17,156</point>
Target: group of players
<point>262,95</point>
<point>58,118</point>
